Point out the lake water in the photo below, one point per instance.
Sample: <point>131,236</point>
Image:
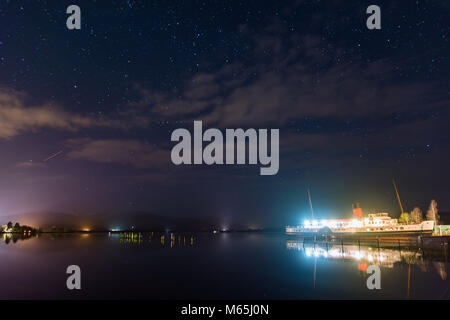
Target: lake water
<point>214,266</point>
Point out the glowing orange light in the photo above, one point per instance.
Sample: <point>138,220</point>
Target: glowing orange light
<point>362,266</point>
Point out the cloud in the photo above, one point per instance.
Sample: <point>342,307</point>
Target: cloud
<point>17,117</point>
<point>30,164</point>
<point>402,143</point>
<point>287,82</point>
<point>125,152</point>
<point>200,92</point>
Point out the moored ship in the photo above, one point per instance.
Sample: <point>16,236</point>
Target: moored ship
<point>375,224</point>
<point>379,224</point>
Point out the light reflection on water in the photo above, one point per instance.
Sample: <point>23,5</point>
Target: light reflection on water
<point>14,237</point>
<point>221,266</point>
<point>171,239</point>
<point>364,255</point>
<point>134,238</point>
<point>389,256</point>
<point>371,255</point>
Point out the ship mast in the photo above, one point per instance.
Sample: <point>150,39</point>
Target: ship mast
<point>312,214</point>
<point>310,203</point>
<point>398,196</point>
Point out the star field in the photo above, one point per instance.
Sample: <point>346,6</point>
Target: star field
<point>355,107</point>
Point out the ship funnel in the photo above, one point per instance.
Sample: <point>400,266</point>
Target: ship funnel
<point>357,211</point>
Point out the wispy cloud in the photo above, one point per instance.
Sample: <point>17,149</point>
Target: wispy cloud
<point>125,152</point>
<point>290,82</point>
<point>30,164</point>
<point>18,116</point>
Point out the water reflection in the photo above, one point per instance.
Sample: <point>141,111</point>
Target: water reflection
<point>164,260</point>
<point>14,237</point>
<point>365,255</point>
<point>164,239</point>
<point>171,240</point>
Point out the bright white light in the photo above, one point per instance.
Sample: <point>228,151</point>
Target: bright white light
<point>334,253</point>
<point>357,255</point>
<point>308,252</point>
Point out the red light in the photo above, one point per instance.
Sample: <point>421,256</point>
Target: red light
<point>362,266</point>
<point>358,212</point>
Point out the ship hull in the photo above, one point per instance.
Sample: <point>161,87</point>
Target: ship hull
<point>375,226</point>
<point>362,234</point>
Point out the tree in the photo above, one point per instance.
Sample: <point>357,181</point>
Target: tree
<point>9,225</point>
<point>405,218</point>
<point>16,227</point>
<point>432,213</point>
<point>416,215</point>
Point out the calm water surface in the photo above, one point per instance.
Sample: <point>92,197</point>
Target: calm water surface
<point>207,266</point>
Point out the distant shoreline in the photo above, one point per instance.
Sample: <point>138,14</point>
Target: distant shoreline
<point>148,231</point>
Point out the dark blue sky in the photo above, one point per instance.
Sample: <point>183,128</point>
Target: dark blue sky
<point>355,107</point>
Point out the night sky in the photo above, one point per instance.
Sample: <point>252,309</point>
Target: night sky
<point>86,115</point>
